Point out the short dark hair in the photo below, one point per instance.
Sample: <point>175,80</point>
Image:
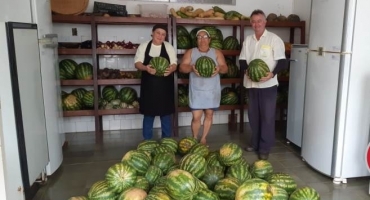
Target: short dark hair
<point>257,12</point>
<point>161,26</point>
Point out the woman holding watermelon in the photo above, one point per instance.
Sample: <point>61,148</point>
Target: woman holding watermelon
<point>204,65</point>
<point>264,52</point>
<point>157,82</point>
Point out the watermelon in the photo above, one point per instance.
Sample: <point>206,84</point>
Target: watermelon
<point>78,198</point>
<point>159,186</point>
<point>67,69</point>
<point>101,190</point>
<point>261,169</point>
<point>239,171</point>
<point>193,36</point>
<point>194,164</point>
<point>257,69</point>
<point>253,189</point>
<point>142,183</point>
<point>206,194</point>
<point>232,69</point>
<point>88,99</point>
<point>305,193</point>
<point>120,177</point>
<point>180,184</point>
<point>230,154</point>
<point>185,144</point>
<point>170,143</point>
<point>160,149</point>
<point>226,188</point>
<point>205,66</point>
<point>183,42</point>
<point>283,180</point>
<point>153,174</point>
<point>109,93</point>
<point>160,64</point>
<point>181,31</point>
<point>278,193</point>
<point>133,194</point>
<point>230,43</point>
<point>84,71</point>
<point>79,93</point>
<point>183,100</point>
<point>214,32</point>
<point>183,89</point>
<point>137,160</point>
<point>216,44</point>
<point>71,102</point>
<point>164,161</point>
<point>147,145</point>
<point>127,95</point>
<point>200,149</point>
<point>212,160</point>
<point>212,175</point>
<point>226,90</point>
<point>158,196</point>
<point>230,98</point>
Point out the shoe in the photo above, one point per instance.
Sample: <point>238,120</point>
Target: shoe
<point>248,148</point>
<point>263,156</point>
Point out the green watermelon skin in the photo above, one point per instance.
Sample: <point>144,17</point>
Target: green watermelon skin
<point>193,37</point>
<point>67,69</point>
<point>78,198</point>
<point>137,160</point>
<point>127,95</point>
<point>194,164</point>
<point>184,42</point>
<point>180,184</point>
<point>120,177</point>
<point>84,71</point>
<point>101,190</point>
<point>70,103</point>
<point>261,169</point>
<point>153,174</point>
<point>232,69</point>
<point>79,93</point>
<point>253,189</point>
<point>205,66</point>
<point>109,93</point>
<point>183,100</point>
<point>239,171</point>
<point>212,175</point>
<point>230,98</point>
<point>216,44</point>
<point>257,69</point>
<point>226,188</point>
<point>142,183</point>
<point>230,43</point>
<point>181,31</point>
<point>88,99</point>
<point>205,194</point>
<point>283,180</point>
<point>305,193</point>
<point>230,154</point>
<point>160,64</point>
<point>185,145</point>
<point>278,193</point>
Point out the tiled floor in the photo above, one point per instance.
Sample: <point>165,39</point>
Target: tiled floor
<point>86,162</point>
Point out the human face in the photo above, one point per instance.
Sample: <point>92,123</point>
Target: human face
<point>158,36</point>
<point>258,23</point>
<point>203,41</point>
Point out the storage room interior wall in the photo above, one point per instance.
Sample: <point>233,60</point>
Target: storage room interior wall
<point>137,34</point>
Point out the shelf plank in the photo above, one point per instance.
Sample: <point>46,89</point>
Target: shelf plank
<point>222,107</point>
<point>225,52</point>
<point>78,113</point>
<point>119,111</point>
<point>283,79</point>
<point>76,82</point>
<point>230,80</point>
<point>116,51</point>
<point>182,81</point>
<point>130,20</point>
<point>119,81</point>
<point>71,19</point>
<point>202,22</point>
<point>74,51</point>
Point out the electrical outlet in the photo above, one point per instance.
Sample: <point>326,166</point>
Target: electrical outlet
<point>74,31</point>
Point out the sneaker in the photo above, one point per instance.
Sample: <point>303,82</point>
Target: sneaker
<point>248,148</point>
<point>263,156</point>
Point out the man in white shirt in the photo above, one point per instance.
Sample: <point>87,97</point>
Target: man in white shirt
<point>262,94</point>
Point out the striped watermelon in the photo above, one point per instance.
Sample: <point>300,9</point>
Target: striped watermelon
<point>278,193</point>
<point>78,198</point>
<point>212,159</point>
<point>205,194</point>
<point>88,99</point>
<point>253,189</point>
<point>257,69</point>
<point>230,154</point>
<point>185,144</point>
<point>101,190</point>
<point>184,42</point>
<point>170,143</point>
<point>199,149</point>
<point>232,69</point>
<point>70,102</point>
<point>109,93</point>
<point>180,185</point>
<point>230,98</point>
<point>142,183</point>
<point>153,174</point>
<point>194,164</point>
<point>261,169</point>
<point>160,149</point>
<point>226,188</point>
<point>147,145</point>
<point>283,180</point>
<point>181,30</point>
<point>67,69</point>
<point>158,196</point>
<point>305,193</point>
<point>200,184</point>
<point>160,64</point>
<point>226,90</point>
<point>164,161</point>
<point>159,187</point>
<point>127,95</point>
<point>79,93</point>
<point>133,194</point>
<point>193,37</point>
<point>137,160</point>
<point>183,100</point>
<point>230,43</point>
<point>120,177</point>
<point>84,71</point>
<point>239,171</point>
<point>216,44</point>
<point>205,66</point>
<point>215,33</point>
<point>212,175</point>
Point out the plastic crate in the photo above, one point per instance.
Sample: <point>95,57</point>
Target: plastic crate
<point>111,9</point>
<point>153,10</point>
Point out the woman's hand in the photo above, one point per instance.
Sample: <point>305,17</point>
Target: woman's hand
<point>169,70</point>
<point>195,70</point>
<point>150,70</point>
<point>216,71</point>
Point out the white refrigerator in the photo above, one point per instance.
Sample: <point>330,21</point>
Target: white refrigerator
<point>336,119</point>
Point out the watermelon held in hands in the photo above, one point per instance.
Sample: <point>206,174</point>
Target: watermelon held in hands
<point>160,64</point>
<point>257,69</point>
<point>205,66</point>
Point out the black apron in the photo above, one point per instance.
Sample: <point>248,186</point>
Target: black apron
<point>156,92</point>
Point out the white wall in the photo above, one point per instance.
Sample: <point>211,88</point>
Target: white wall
<point>138,34</point>
<point>303,9</point>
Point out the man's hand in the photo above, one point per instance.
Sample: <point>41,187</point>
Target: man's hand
<point>268,76</point>
<point>150,70</point>
<point>195,70</point>
<point>216,71</point>
<point>246,74</point>
<point>169,70</point>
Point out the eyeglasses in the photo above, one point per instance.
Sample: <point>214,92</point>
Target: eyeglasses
<point>199,37</point>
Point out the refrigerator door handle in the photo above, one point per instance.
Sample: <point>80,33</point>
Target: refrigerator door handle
<point>293,60</point>
<point>51,35</point>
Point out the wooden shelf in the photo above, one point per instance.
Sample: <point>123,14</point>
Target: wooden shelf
<point>72,19</point>
<point>130,20</point>
<point>116,51</point>
<point>74,51</point>
<point>78,113</point>
<point>283,79</point>
<point>76,82</point>
<point>119,111</point>
<point>119,81</point>
<point>225,52</point>
<point>208,22</point>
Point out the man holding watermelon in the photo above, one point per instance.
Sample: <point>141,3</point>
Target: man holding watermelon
<point>157,82</point>
<point>204,81</point>
<point>262,57</point>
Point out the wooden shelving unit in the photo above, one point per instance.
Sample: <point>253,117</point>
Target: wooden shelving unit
<point>237,28</point>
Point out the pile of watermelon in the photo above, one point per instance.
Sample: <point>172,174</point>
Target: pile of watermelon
<point>188,170</point>
<point>232,69</point>
<point>78,99</point>
<point>183,95</point>
<point>69,69</point>
<point>229,96</point>
<point>114,99</point>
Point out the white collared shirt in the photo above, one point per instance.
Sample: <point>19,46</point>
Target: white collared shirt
<point>270,48</point>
